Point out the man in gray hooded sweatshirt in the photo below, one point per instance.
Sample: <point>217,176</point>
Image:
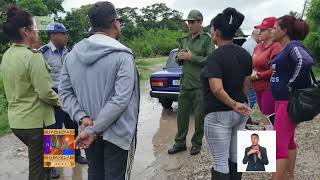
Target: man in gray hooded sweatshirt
<point>99,89</point>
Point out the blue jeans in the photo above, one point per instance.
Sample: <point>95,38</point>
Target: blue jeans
<point>106,161</point>
<point>221,133</point>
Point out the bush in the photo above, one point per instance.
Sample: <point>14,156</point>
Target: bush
<point>155,42</point>
<point>313,40</point>
<point>147,51</point>
<point>313,44</point>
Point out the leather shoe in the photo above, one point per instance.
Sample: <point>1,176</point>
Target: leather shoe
<point>175,149</point>
<point>195,150</point>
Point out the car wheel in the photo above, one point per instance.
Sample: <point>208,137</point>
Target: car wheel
<point>166,103</point>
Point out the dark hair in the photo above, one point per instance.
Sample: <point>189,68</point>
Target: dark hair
<point>101,15</point>
<point>228,22</point>
<point>297,29</point>
<point>254,134</point>
<point>16,19</point>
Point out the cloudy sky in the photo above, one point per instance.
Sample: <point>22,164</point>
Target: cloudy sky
<point>254,10</point>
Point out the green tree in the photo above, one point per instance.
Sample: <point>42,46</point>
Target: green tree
<point>135,20</point>
<point>131,21</point>
<point>172,20</point>
<point>160,16</point>
<point>35,7</point>
<point>313,40</point>
<point>77,22</point>
<point>129,15</point>
<point>153,13</point>
<point>54,6</point>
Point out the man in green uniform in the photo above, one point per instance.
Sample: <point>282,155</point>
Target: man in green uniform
<point>193,52</point>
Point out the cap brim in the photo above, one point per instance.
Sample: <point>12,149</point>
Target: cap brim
<point>190,19</point>
<point>260,27</point>
<point>58,31</point>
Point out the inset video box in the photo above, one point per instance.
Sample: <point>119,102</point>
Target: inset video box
<point>59,148</point>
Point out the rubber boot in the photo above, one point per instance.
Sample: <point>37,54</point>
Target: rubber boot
<point>234,175</point>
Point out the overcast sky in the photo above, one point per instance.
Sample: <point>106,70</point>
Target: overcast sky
<point>254,10</point>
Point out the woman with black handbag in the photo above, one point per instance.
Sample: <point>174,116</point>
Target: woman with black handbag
<point>291,70</point>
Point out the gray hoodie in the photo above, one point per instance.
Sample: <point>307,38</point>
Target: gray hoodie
<point>99,79</point>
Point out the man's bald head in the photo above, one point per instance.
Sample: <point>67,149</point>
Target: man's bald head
<point>255,35</point>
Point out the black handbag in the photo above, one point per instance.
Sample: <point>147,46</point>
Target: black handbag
<point>304,104</point>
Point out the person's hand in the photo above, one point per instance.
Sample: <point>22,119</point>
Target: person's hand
<point>85,122</point>
<point>254,75</point>
<point>84,140</point>
<point>185,55</point>
<point>242,109</point>
<point>252,151</point>
<point>259,154</point>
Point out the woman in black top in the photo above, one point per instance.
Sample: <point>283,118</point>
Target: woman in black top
<point>226,78</point>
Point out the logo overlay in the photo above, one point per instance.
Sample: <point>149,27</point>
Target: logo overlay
<point>59,148</point>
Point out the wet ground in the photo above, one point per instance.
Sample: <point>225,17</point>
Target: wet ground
<point>156,131</point>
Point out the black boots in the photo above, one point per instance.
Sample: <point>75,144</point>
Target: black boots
<point>175,149</point>
<point>215,175</point>
<point>234,175</point>
<point>195,150</point>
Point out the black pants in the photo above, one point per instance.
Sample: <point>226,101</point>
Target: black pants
<point>33,139</point>
<point>64,118</point>
<point>106,161</point>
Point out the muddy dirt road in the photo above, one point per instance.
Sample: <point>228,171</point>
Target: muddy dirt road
<point>156,131</point>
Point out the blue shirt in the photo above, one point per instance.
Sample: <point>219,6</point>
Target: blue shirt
<point>54,58</point>
<point>291,67</point>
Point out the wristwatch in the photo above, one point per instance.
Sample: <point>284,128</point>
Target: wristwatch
<point>80,122</point>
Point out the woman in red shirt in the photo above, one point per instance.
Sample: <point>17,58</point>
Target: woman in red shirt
<point>261,74</point>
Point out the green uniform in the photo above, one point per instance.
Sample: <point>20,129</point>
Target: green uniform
<point>191,95</point>
<point>27,86</point>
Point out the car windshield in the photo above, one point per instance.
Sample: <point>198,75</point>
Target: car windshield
<point>172,60</point>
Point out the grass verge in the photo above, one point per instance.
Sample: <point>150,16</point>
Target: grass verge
<point>145,66</point>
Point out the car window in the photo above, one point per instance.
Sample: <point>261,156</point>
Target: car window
<point>171,62</point>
